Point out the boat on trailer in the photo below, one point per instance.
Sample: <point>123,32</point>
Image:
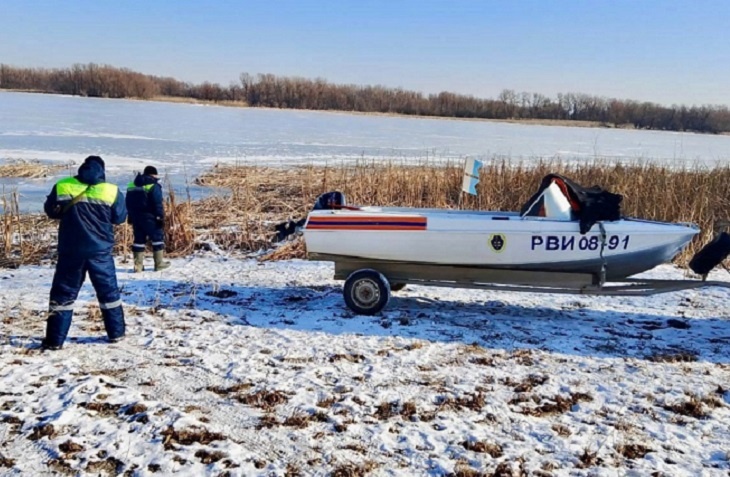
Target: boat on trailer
<point>547,247</point>
<point>495,240</point>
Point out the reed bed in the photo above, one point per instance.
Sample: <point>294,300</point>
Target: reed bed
<point>29,169</point>
<point>24,238</point>
<point>257,198</point>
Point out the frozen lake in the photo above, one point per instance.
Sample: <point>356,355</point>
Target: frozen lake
<point>184,139</point>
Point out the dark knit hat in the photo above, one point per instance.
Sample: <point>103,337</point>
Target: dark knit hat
<point>150,171</point>
<point>94,159</point>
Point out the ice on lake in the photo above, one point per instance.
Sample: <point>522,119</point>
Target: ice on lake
<point>184,139</point>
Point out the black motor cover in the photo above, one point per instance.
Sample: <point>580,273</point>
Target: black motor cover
<point>330,200</point>
<point>327,201</point>
<point>711,255</point>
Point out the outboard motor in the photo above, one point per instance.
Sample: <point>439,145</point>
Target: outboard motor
<point>711,255</point>
<point>290,227</point>
<point>330,201</point>
<point>326,201</point>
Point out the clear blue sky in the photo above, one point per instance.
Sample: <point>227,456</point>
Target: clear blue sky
<point>669,52</point>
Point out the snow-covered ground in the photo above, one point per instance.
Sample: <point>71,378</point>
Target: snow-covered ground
<point>234,367</point>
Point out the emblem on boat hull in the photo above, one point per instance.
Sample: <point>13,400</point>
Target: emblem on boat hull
<point>497,242</point>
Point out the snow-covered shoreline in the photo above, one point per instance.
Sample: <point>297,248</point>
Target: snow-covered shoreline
<point>246,368</point>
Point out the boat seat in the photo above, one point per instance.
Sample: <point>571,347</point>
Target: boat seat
<point>551,204</point>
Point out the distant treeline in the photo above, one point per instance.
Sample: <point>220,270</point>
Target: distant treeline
<point>267,90</point>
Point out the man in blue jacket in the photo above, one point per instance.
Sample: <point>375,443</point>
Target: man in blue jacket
<point>88,208</point>
<point>147,215</point>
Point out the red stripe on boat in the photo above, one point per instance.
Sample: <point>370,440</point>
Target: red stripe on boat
<point>372,218</point>
<point>366,223</point>
<point>363,227</point>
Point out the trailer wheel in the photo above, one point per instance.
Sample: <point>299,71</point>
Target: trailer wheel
<point>366,291</point>
<point>397,286</point>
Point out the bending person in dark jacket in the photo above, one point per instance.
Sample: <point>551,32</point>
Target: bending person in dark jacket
<point>147,215</point>
<point>88,208</point>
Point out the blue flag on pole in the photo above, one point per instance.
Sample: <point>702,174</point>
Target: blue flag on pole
<point>471,176</point>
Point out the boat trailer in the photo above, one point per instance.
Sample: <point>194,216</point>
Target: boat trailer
<point>369,283</point>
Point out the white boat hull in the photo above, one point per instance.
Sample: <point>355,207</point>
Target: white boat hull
<point>494,240</point>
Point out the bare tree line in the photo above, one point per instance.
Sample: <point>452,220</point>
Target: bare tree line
<point>267,90</point>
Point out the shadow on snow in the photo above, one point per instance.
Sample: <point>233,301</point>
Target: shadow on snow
<point>571,326</point>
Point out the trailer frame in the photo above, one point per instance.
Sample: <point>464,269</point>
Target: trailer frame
<point>368,282</point>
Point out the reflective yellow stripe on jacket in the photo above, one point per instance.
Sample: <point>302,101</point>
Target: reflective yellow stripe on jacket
<point>131,187</point>
<point>103,193</point>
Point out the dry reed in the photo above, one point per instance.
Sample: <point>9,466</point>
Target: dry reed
<point>29,169</point>
<point>24,238</point>
<point>259,197</point>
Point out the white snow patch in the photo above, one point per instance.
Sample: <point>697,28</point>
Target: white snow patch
<point>258,369</point>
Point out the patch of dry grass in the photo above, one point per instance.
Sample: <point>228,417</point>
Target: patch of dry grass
<point>209,457</point>
<point>264,399</point>
<point>42,430</point>
<point>547,405</point>
<point>353,470</point>
<point>473,401</point>
<point>225,391</point>
<point>30,169</point>
<point>70,447</point>
<point>189,436</point>
<point>326,402</point>
<point>103,409</point>
<point>289,250</point>
<point>531,382</point>
<point>108,466</point>
<point>633,451</point>
<point>24,238</point>
<point>588,459</point>
<point>351,357</point>
<point>483,447</point>
<point>6,461</point>
<point>694,406</point>
<point>674,357</point>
